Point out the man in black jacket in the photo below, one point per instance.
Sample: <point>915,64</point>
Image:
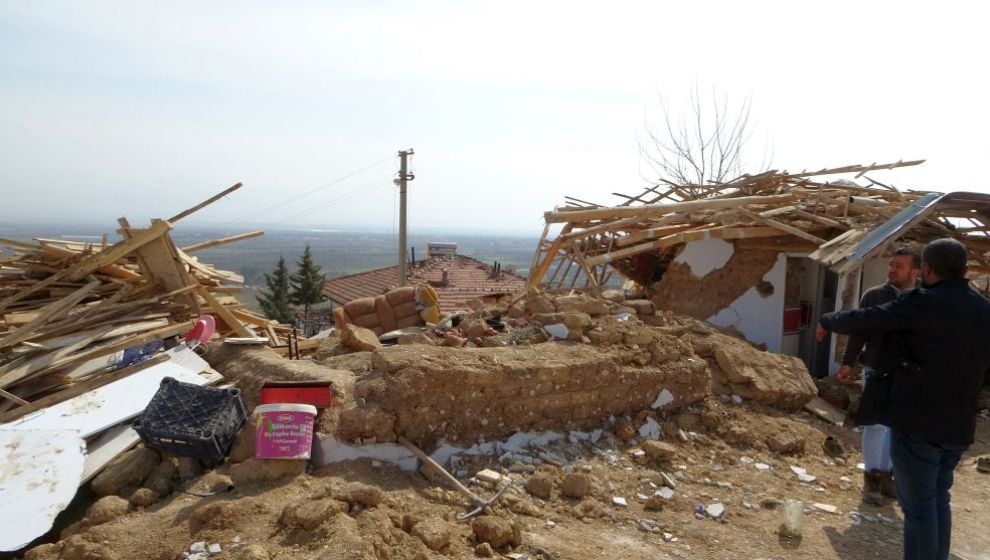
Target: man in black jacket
<point>878,355</point>
<point>934,395</point>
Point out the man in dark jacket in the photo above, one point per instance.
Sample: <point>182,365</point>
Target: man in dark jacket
<point>936,383</point>
<point>878,355</point>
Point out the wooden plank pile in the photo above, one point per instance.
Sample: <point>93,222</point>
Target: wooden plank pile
<point>70,309</point>
<point>786,211</point>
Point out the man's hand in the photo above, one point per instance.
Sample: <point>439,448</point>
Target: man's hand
<point>820,333</point>
<point>844,375</point>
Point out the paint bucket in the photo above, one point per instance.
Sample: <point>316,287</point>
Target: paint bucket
<point>283,430</point>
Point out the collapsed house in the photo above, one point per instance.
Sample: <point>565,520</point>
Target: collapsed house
<point>764,254</point>
<point>457,279</point>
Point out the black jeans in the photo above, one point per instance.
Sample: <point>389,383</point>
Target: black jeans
<point>923,474</point>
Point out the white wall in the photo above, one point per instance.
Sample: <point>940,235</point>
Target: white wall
<point>706,255</point>
<point>760,319</point>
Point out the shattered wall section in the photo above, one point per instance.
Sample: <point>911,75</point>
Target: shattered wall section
<point>743,292</point>
<point>460,395</point>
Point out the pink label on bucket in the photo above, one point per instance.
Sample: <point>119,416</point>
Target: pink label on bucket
<point>281,434</point>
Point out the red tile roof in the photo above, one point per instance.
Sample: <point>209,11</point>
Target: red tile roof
<point>467,279</point>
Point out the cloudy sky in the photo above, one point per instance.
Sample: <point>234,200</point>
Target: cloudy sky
<point>143,109</point>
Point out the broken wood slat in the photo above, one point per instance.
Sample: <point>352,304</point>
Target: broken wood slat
<point>208,271</point>
<point>129,342</point>
<point>251,318</point>
<point>222,241</point>
<point>16,372</point>
<point>110,269</point>
<point>19,244</point>
<point>13,398</point>
<point>48,313</point>
<point>821,219</point>
<point>117,251</point>
<point>600,228</point>
<point>80,388</point>
<point>782,226</point>
<point>661,209</point>
<point>225,315</point>
<point>654,233</point>
<point>535,276</point>
<point>31,289</point>
<point>722,232</point>
<point>205,203</point>
<point>592,279</point>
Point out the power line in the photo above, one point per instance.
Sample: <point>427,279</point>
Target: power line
<point>288,201</point>
<point>375,185</point>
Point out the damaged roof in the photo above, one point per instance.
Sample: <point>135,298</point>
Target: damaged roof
<point>834,219</point>
<point>466,279</point>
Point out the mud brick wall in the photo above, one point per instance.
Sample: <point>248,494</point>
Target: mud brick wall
<point>682,292</point>
<point>430,394</point>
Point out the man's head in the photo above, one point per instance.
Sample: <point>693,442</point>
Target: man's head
<point>943,259</point>
<point>904,268</point>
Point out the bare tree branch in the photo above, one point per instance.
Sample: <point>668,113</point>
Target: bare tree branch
<point>702,148</point>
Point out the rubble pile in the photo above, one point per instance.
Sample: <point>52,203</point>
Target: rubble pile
<point>550,362</point>
<point>70,311</point>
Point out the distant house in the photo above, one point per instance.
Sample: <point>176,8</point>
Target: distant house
<point>457,279</point>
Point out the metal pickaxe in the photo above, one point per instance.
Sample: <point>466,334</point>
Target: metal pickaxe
<point>480,504</point>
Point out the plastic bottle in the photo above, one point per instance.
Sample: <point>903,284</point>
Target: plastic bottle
<point>791,519</point>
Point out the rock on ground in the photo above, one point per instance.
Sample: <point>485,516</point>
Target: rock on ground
<point>143,497</point>
<point>765,377</point>
<point>492,530</point>
<point>129,470</point>
<point>107,509</point>
<point>362,494</point>
<point>78,548</point>
<point>434,532</point>
<point>540,485</point>
<point>576,485</point>
<point>160,479</point>
<point>311,514</point>
<point>359,338</point>
<point>660,451</point>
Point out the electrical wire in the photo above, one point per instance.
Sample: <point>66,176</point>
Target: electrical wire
<point>342,198</point>
<point>290,200</point>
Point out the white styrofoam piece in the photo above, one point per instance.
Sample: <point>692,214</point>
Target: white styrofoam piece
<point>663,399</point>
<point>443,453</point>
<point>40,471</point>
<point>103,449</point>
<point>650,429</point>
<point>328,449</point>
<point>95,411</point>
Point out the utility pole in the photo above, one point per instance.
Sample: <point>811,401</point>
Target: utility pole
<point>404,178</point>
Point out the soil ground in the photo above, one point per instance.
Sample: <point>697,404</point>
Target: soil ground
<point>247,523</point>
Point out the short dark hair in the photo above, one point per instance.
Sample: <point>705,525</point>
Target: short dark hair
<point>911,252</point>
<point>946,257</point>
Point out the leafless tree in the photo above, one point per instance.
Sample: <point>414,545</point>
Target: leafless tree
<point>702,146</point>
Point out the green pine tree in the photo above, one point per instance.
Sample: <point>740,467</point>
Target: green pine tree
<point>307,283</point>
<point>276,301</point>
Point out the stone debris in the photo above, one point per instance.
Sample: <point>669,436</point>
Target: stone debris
<point>827,508</point>
<point>493,530</point>
<point>619,501</point>
<point>489,476</point>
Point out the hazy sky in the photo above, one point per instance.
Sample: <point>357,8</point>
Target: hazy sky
<point>143,109</point>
